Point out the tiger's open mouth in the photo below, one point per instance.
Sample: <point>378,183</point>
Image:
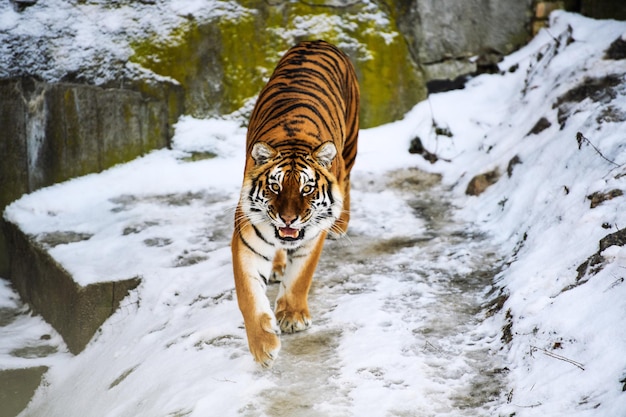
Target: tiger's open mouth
<point>287,233</point>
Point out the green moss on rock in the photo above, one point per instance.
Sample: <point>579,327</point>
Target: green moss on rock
<point>222,64</point>
<point>248,58</point>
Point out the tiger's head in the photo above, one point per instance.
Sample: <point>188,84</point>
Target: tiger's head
<point>290,196</point>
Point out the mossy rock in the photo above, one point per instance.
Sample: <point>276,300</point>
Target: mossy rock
<point>223,63</point>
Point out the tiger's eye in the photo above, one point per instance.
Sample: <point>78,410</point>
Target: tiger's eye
<point>275,187</point>
<point>307,189</point>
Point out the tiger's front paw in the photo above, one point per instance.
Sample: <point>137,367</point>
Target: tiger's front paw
<point>263,339</point>
<point>293,321</point>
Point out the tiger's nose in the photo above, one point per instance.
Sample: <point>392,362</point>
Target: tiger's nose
<point>288,218</point>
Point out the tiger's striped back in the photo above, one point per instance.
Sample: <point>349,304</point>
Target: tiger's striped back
<point>312,97</point>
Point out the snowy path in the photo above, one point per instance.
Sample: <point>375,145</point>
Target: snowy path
<point>399,307</point>
<point>418,297</point>
<point>398,310</point>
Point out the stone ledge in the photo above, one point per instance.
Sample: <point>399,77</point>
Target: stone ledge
<point>76,312</point>
<point>52,132</point>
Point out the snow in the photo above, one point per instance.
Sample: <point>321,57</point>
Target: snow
<point>24,337</point>
<point>404,321</point>
<point>55,38</point>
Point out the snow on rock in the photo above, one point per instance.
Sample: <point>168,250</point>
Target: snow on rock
<point>566,355</point>
<point>57,39</point>
<point>391,334</point>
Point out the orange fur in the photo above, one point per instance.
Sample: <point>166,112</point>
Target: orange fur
<point>278,265</point>
<point>301,145</point>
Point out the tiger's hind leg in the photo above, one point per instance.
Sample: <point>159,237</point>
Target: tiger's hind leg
<point>292,310</point>
<point>279,264</point>
<point>340,228</point>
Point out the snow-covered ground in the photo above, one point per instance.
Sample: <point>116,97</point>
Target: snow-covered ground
<point>396,306</point>
<point>438,303</point>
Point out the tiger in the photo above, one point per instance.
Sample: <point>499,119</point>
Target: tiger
<point>301,145</point>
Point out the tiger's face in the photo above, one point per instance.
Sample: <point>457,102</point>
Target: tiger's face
<point>290,197</point>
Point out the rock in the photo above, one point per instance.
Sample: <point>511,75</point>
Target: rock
<point>514,161</point>
<point>76,312</point>
<point>598,198</point>
<point>54,132</point>
<point>443,36</point>
<point>600,90</point>
<point>595,263</point>
<point>480,183</point>
<point>541,125</point>
<point>21,5</point>
<point>613,239</point>
<point>223,63</point>
<point>603,9</point>
<point>416,147</point>
<point>617,49</point>
<point>222,58</point>
<point>443,85</point>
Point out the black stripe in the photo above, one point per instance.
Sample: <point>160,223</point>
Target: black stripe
<point>311,77</point>
<point>260,236</point>
<point>302,106</point>
<point>295,148</point>
<point>252,249</point>
<point>300,166</point>
<point>310,80</point>
<point>313,82</point>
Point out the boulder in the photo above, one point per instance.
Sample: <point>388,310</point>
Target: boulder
<point>445,36</point>
<point>481,182</point>
<point>17,387</point>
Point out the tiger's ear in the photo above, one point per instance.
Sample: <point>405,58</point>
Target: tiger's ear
<point>325,153</point>
<point>262,152</point>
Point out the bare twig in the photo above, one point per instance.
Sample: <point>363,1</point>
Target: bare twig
<point>615,283</point>
<point>580,138</point>
<point>559,357</point>
<point>433,124</point>
<point>224,380</point>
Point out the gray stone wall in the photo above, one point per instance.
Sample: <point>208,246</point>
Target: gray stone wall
<point>444,34</point>
<point>53,132</point>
